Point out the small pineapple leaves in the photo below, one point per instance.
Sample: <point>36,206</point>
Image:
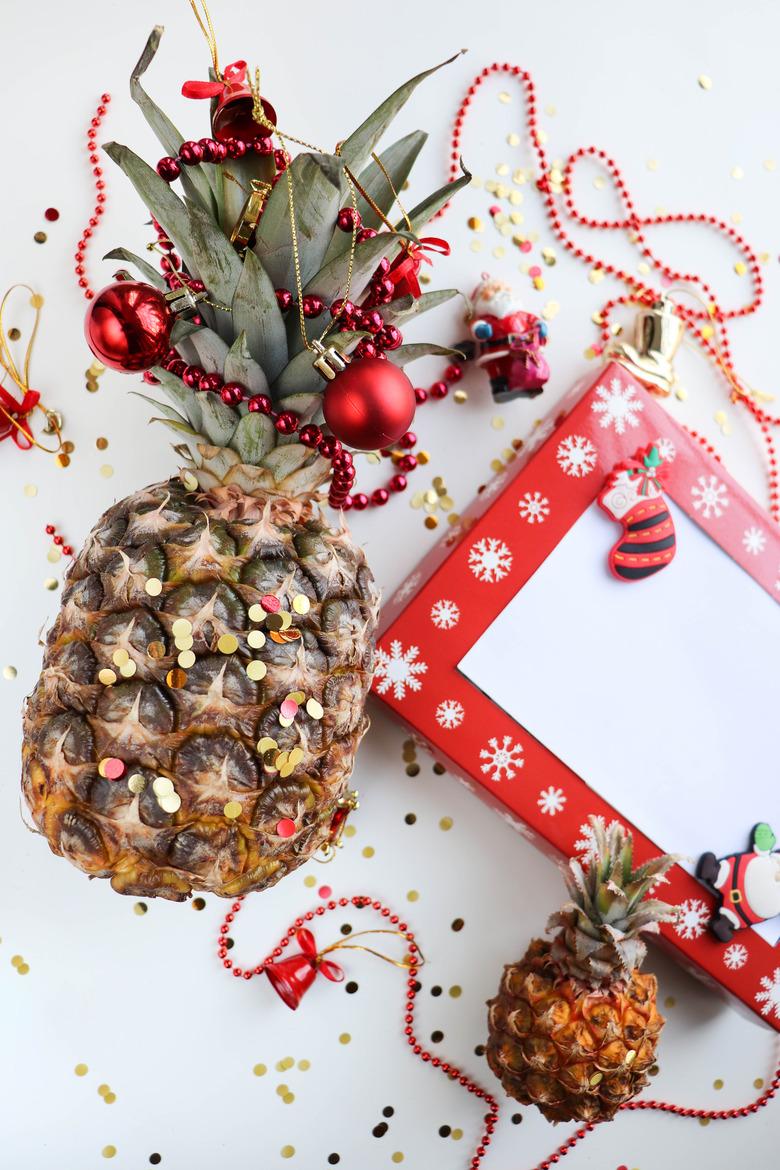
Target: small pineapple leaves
<point>254,438</point>
<point>318,186</point>
<point>357,149</point>
<point>409,353</point>
<point>171,415</point>
<point>144,267</point>
<point>331,281</point>
<point>187,400</point>
<point>219,420</point>
<point>241,367</point>
<point>283,461</point>
<point>195,180</point>
<point>211,350</point>
<point>398,161</point>
<point>306,406</point>
<point>257,315</point>
<point>403,309</point>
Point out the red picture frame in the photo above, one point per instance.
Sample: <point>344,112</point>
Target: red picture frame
<point>476,569</point>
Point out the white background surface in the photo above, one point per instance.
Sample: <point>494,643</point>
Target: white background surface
<point>142,1000</point>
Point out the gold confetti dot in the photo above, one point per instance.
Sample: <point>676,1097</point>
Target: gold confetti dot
<point>397,1157</point>
<point>9,673</point>
<point>344,1038</point>
<point>63,460</point>
<point>412,896</point>
<point>456,1135</point>
<point>120,657</point>
<point>670,1001</point>
<point>162,786</point>
<point>30,490</point>
<point>476,245</point>
<point>260,1070</point>
<point>106,471</point>
<point>170,804</point>
<point>184,642</point>
<point>717,1084</point>
<point>156,649</point>
<point>232,810</point>
<point>81,1070</point>
<point>288,1098</point>
<point>652,164</point>
<point>128,670</point>
<point>498,422</point>
<point>266,744</point>
<point>445,824</point>
<point>107,677</point>
<point>136,783</point>
<point>704,1121</point>
<point>256,639</point>
<point>108,1151</point>
<point>770,164</point>
<point>350,831</point>
<point>176,678</point>
<point>40,237</point>
<point>181,627</point>
<point>256,669</point>
<point>368,851</point>
<point>198,903</point>
<point>431,521</point>
<point>227,644</point>
<point>758,1083</point>
<point>309,881</point>
<point>737,173</point>
<point>287,1151</point>
<point>513,139</point>
<point>704,81</point>
<point>456,991</point>
<point>101,443</point>
<point>304,1065</point>
<point>153,586</point>
<point>140,909</point>
<point>740,267</point>
<point>256,613</point>
<point>301,603</point>
<point>186,659</point>
<point>103,1089</point>
<point>109,1098</point>
<point>50,583</point>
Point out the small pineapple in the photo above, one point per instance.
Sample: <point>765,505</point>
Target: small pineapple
<point>575,1025</point>
<point>203,687</point>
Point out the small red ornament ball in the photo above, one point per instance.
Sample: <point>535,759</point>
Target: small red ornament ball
<point>370,404</point>
<point>128,326</point>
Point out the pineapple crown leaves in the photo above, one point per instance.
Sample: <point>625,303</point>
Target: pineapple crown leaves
<point>252,342</point>
<point>608,908</point>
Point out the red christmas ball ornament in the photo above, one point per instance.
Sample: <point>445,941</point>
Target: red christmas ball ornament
<point>370,404</point>
<point>128,326</point>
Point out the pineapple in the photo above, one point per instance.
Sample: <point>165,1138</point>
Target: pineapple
<point>575,1025</point>
<point>199,606</point>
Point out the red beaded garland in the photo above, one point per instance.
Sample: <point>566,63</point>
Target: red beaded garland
<point>98,210</point>
<point>698,321</point>
<point>363,901</point>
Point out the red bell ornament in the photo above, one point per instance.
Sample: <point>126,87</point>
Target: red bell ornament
<point>368,403</point>
<point>232,117</point>
<point>291,978</point>
<point>128,326</point>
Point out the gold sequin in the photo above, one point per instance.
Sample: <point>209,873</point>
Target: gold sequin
<point>181,627</point>
<point>107,677</point>
<point>287,1151</point>
<point>184,642</point>
<point>81,1070</point>
<point>344,1038</point>
<point>153,586</point>
<point>256,613</point>
<point>162,786</point>
<point>50,583</point>
<point>156,649</point>
<point>266,744</point>
<point>186,659</point>
<point>256,669</point>
<point>31,490</point>
<point>136,783</point>
<point>704,81</point>
<point>120,657</point>
<point>109,1151</point>
<point>256,639</point>
<point>301,603</point>
<point>227,644</point>
<point>176,678</point>
<point>101,443</point>
<point>9,672</point>
<point>260,1070</point>
<point>232,810</point>
<point>128,669</point>
<point>140,909</point>
<point>445,824</point>
<point>170,804</point>
<point>106,471</point>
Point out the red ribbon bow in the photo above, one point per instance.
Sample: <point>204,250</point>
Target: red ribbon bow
<point>332,971</point>
<point>405,269</point>
<point>234,77</point>
<point>18,411</point>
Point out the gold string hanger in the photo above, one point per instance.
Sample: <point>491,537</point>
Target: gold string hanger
<point>417,960</point>
<point>207,28</point>
<point>21,378</point>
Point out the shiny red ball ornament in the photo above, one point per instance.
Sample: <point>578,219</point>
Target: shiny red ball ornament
<point>128,326</point>
<point>370,404</point>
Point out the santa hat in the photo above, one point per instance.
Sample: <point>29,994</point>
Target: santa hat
<point>494,298</point>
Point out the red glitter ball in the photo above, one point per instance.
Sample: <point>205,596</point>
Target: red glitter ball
<point>324,891</point>
<point>285,827</point>
<point>270,603</point>
<point>51,213</point>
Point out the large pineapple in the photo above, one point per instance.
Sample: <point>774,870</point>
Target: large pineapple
<point>575,1025</point>
<point>203,687</point>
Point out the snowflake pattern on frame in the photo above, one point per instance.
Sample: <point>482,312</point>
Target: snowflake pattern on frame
<point>692,919</point>
<point>666,449</point>
<point>408,587</point>
<point>445,614</point>
<point>551,800</point>
<point>490,559</point>
<point>533,507</point>
<point>618,406</point>
<point>576,456</point>
<point>754,540</point>
<point>585,846</point>
<point>769,997</point>
<point>449,714</point>
<point>398,669</point>
<point>501,759</point>
<point>710,497</point>
<point>735,956</point>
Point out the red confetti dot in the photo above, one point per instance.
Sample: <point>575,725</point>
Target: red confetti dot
<point>285,827</point>
<point>535,271</point>
<point>324,891</point>
<point>270,603</point>
<point>289,708</point>
<point>51,213</point>
<point>495,209</point>
<point>113,768</point>
<point>526,246</point>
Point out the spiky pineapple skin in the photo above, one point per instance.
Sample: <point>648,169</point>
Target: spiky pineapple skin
<point>216,556</point>
<point>564,1046</point>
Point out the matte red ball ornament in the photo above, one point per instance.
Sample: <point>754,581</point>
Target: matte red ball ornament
<point>128,326</point>
<point>370,404</point>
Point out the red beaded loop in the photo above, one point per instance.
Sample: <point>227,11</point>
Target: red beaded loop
<point>98,210</point>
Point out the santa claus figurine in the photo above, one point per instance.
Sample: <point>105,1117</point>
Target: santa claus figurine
<point>746,884</point>
<point>507,341</point>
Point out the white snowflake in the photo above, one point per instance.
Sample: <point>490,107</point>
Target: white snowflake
<point>501,759</point>
<point>551,800</point>
<point>490,559</point>
<point>754,540</point>
<point>449,714</point>
<point>710,496</point>
<point>534,507</point>
<point>576,456</point>
<point>445,614</point>
<point>398,669</point>
<point>735,956</point>
<point>408,587</point>
<point>585,846</point>
<point>666,449</point>
<point>617,406</point>
<point>770,996</point>
<point>692,918</point>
